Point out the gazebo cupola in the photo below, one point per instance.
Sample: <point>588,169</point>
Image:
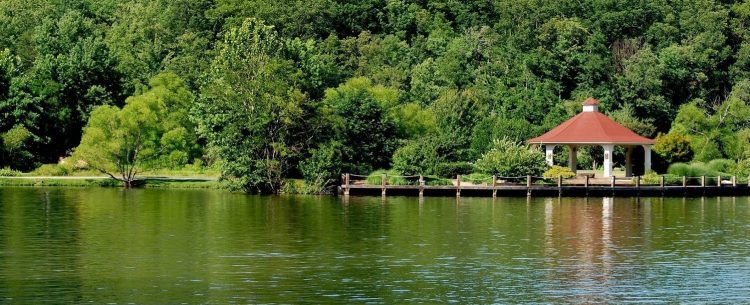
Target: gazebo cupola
<point>589,128</point>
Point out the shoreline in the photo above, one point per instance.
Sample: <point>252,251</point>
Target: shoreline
<point>103,181</point>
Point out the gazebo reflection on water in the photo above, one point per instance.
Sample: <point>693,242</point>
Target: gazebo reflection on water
<point>592,128</point>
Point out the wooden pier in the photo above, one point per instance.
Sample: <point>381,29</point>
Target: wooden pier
<point>544,187</point>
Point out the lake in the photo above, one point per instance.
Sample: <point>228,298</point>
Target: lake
<point>102,245</point>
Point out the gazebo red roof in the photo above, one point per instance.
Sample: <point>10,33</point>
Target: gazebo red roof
<point>591,127</point>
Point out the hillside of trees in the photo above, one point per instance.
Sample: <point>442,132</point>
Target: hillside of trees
<point>269,90</point>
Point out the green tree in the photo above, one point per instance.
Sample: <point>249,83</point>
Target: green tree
<point>148,132</point>
<point>248,109</point>
<point>363,127</point>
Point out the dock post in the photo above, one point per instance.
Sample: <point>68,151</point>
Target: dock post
<point>661,181</point>
<point>559,185</point>
<point>458,185</point>
<point>718,181</point>
<point>494,186</point>
<point>346,184</point>
<point>383,180</point>
<point>684,182</point>
<point>734,181</point>
<point>586,184</point>
<point>638,182</point>
<point>703,181</point>
<point>612,183</point>
<point>528,185</point>
<point>421,186</point>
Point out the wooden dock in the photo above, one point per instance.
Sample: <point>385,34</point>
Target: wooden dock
<point>536,186</point>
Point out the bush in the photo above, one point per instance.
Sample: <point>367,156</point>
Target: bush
<point>417,157</point>
<point>436,181</point>
<point>7,172</point>
<point>51,170</point>
<point>511,159</point>
<point>452,169</point>
<point>323,168</point>
<point>695,169</point>
<point>742,168</point>
<point>673,147</point>
<point>477,178</point>
<point>557,171</point>
<point>653,178</point>
<point>722,165</point>
<point>433,155</point>
<point>393,177</point>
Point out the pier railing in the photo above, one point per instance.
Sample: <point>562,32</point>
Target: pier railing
<point>581,185</point>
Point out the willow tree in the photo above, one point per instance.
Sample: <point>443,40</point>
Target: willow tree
<point>152,130</point>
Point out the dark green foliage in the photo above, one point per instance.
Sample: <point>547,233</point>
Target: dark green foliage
<point>441,79</point>
<point>367,134</point>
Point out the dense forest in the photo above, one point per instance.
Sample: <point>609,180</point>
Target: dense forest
<point>269,90</point>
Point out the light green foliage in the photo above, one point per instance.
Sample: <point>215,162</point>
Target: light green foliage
<point>51,170</point>
<point>393,177</point>
<point>7,172</point>
<point>673,147</point>
<point>694,169</point>
<point>146,133</point>
<point>247,110</point>
<point>721,130</point>
<point>14,146</point>
<point>559,171</point>
<point>510,159</point>
<point>477,179</point>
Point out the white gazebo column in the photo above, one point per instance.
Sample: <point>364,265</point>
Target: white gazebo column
<point>629,161</point>
<point>550,154</point>
<point>573,157</point>
<point>646,158</point>
<point>608,150</point>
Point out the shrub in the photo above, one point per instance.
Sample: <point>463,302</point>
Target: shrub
<point>7,172</point>
<point>557,171</point>
<point>51,170</point>
<point>722,165</point>
<point>393,177</point>
<point>416,157</point>
<point>695,169</point>
<point>673,147</point>
<point>742,168</point>
<point>452,169</point>
<point>653,178</point>
<point>511,159</point>
<point>436,181</point>
<point>477,178</point>
<point>323,167</point>
<point>433,155</point>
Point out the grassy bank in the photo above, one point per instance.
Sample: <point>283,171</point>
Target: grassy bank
<point>90,182</point>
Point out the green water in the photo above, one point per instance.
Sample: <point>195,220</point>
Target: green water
<point>168,246</point>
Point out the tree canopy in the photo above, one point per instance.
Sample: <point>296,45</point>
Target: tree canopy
<point>277,85</point>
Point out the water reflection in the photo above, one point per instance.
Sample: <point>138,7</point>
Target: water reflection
<point>155,246</point>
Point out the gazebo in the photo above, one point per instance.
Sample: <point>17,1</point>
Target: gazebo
<point>590,128</point>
